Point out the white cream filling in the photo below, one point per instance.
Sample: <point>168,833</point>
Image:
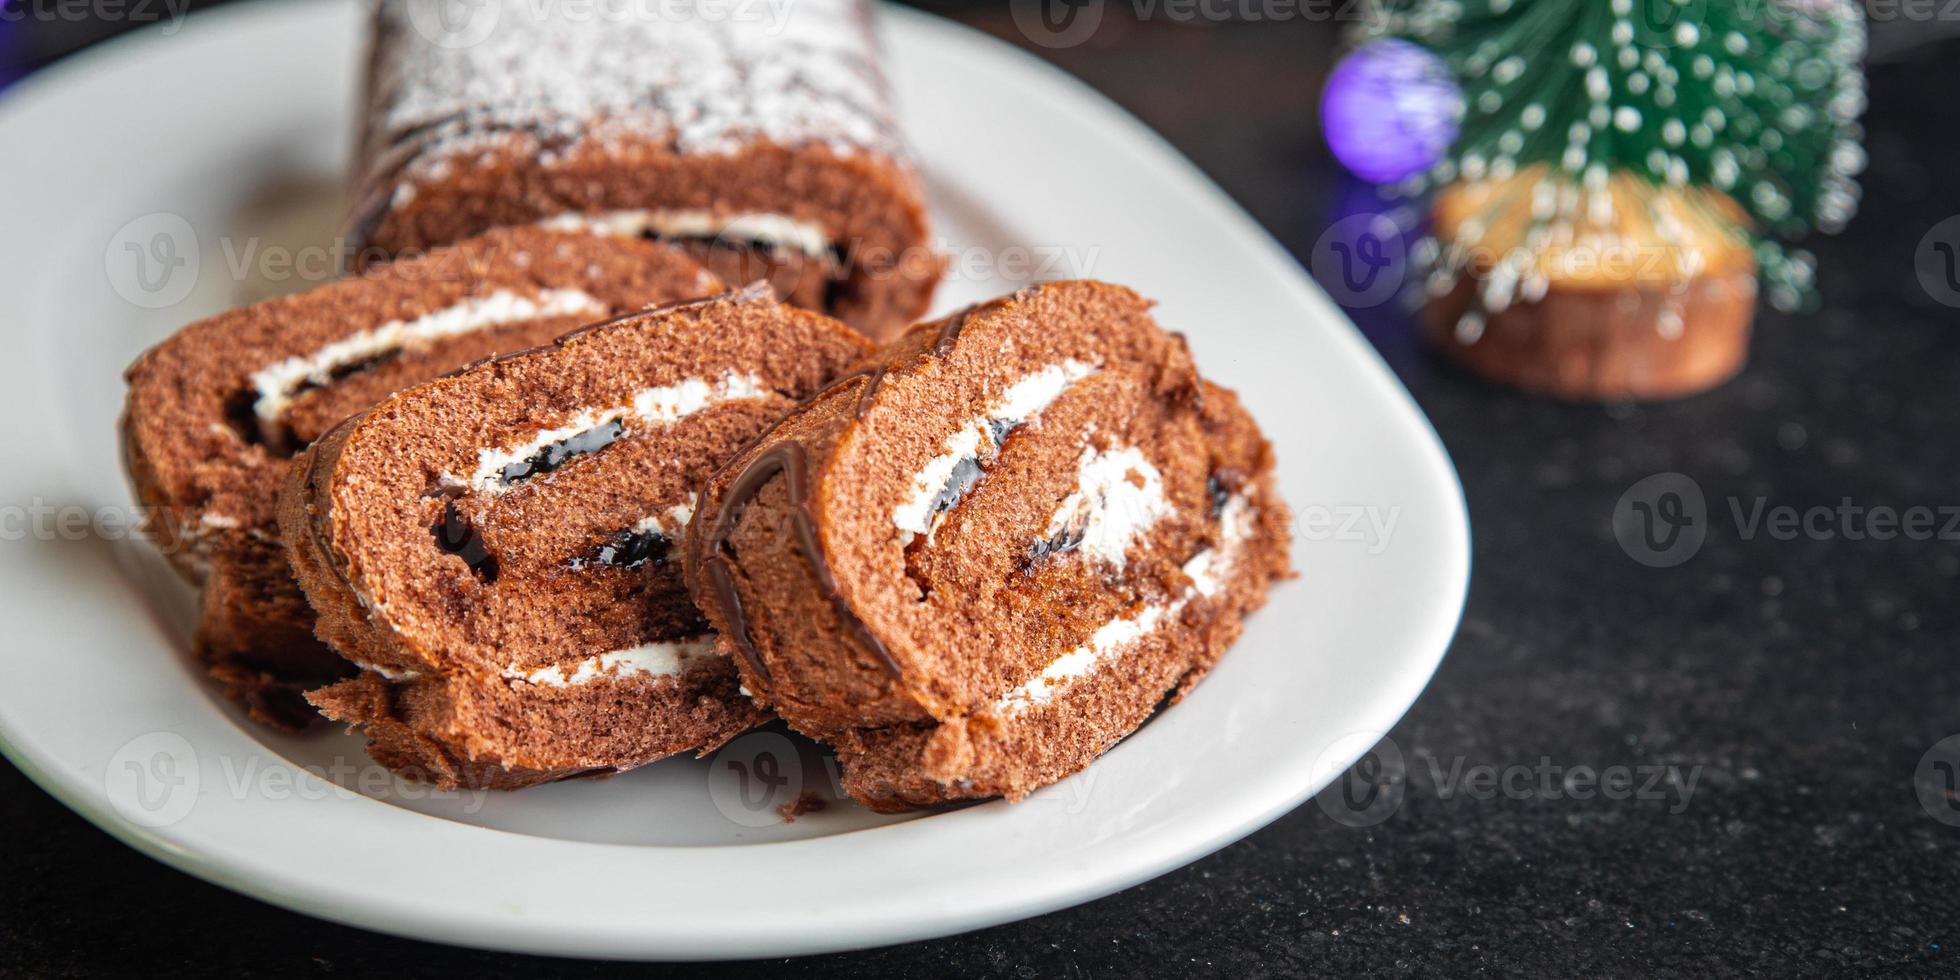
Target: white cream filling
<point>1022,401</point>
<point>1109,509</point>
<point>669,524</point>
<point>661,405</point>
<point>1206,570</point>
<point>277,383</point>
<point>665,658</point>
<point>1110,638</point>
<point>776,230</point>
<point>396,676</point>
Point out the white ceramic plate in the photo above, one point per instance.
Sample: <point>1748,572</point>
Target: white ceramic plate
<point>166,176</point>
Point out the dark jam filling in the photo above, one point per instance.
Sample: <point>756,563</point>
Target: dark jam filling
<point>1068,540</point>
<point>1216,489</point>
<point>627,549</point>
<point>836,290</point>
<point>833,255</point>
<point>998,429</point>
<point>563,451</point>
<point>342,372</point>
<point>782,281</point>
<point>1070,537</point>
<point>455,535</point>
<point>968,472</point>
<point>241,409</point>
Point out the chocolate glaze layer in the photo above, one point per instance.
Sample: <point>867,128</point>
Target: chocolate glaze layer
<point>950,333</point>
<point>792,461</point>
<point>309,489</point>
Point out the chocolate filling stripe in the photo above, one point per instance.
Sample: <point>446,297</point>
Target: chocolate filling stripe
<point>456,535</point>
<point>651,538</point>
<point>940,485</point>
<point>277,383</point>
<point>763,228</point>
<point>557,454</point>
<point>500,468</point>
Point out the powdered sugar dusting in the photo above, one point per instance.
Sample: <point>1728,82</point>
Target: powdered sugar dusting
<point>461,78</point>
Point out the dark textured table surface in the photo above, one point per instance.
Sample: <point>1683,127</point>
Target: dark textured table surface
<point>1774,702</point>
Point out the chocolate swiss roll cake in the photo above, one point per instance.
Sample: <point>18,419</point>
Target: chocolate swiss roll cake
<point>496,549</point>
<point>216,411</point>
<point>976,562</point>
<point>759,137</point>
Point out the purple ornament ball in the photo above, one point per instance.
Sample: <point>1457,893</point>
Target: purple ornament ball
<point>1390,110</point>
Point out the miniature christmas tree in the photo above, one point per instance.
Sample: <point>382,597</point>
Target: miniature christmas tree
<point>1644,156</point>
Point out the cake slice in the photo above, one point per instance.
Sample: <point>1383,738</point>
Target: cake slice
<point>979,561</point>
<point>762,140</point>
<point>495,549</point>
<point>215,412</point>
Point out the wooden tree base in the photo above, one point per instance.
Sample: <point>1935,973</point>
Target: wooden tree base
<point>1594,343</point>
